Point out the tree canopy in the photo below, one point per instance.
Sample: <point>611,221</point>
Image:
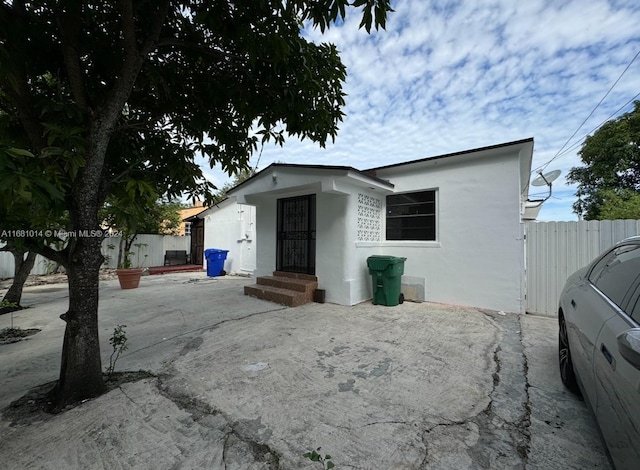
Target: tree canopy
<point>118,98</point>
<point>620,204</point>
<point>609,181</point>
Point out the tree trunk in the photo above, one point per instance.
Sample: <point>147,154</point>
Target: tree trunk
<point>22,269</point>
<point>81,368</point>
<point>81,365</point>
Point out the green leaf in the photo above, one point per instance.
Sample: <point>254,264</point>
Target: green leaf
<point>313,456</point>
<point>19,152</point>
<point>330,465</point>
<point>52,151</point>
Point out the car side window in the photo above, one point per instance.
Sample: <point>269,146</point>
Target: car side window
<point>634,310</point>
<point>618,274</point>
<point>600,266</point>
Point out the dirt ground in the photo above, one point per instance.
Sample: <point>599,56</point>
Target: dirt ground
<point>36,404</point>
<point>13,335</point>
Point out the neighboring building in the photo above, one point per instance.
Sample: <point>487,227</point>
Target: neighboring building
<point>185,227</point>
<point>228,226</point>
<point>457,218</point>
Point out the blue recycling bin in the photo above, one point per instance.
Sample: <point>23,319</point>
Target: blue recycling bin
<point>215,261</point>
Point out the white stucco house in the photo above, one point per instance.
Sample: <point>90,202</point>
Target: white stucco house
<point>231,226</point>
<point>457,218</point>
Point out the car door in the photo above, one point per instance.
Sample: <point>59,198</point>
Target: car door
<point>586,310</point>
<point>616,359</point>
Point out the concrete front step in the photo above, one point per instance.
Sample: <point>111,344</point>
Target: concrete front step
<point>306,277</point>
<point>291,289</point>
<point>298,285</point>
<point>278,295</point>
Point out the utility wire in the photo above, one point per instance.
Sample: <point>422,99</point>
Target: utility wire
<point>568,149</point>
<point>579,142</point>
<point>541,168</point>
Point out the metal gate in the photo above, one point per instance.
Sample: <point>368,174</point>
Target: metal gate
<point>296,249</point>
<point>555,250</point>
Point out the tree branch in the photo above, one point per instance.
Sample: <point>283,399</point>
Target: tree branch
<point>133,60</point>
<point>154,34</point>
<point>128,31</point>
<point>17,86</point>
<point>69,24</point>
<point>58,256</point>
<point>222,55</point>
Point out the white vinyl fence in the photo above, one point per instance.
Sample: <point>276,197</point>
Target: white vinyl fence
<point>555,250</point>
<point>149,253</point>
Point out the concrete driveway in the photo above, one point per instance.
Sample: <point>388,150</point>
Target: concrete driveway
<point>246,384</point>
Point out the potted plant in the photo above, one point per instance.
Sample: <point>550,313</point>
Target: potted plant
<point>129,275</point>
<point>134,212</point>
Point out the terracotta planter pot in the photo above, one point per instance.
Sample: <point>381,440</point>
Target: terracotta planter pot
<point>129,278</point>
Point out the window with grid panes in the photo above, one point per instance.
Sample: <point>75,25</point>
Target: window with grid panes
<point>412,216</point>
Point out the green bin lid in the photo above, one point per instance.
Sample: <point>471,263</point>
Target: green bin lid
<point>380,262</point>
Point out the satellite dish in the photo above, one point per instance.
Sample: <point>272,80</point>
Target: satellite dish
<point>546,179</point>
<point>532,206</point>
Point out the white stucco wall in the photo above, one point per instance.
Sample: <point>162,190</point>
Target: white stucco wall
<point>478,258</point>
<point>231,226</point>
<point>266,223</point>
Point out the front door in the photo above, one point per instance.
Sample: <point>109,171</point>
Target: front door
<point>197,241</point>
<point>296,248</point>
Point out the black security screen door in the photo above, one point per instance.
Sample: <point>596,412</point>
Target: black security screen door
<point>296,250</point>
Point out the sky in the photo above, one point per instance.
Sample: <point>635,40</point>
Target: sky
<point>449,76</point>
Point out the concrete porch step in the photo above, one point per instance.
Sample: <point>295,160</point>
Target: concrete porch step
<point>291,289</point>
<point>288,297</point>
<point>284,282</point>
<point>306,277</point>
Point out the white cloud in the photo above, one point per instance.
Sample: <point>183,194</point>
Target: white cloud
<point>451,76</point>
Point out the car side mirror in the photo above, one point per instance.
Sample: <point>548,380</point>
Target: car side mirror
<point>629,346</point>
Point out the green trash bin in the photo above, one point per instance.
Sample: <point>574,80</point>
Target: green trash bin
<point>386,276</point>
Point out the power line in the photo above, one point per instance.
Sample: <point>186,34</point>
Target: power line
<point>567,150</point>
<point>541,168</point>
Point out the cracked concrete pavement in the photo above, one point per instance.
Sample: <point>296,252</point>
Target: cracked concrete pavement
<point>246,384</point>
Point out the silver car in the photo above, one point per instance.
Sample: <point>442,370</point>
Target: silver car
<point>599,346</point>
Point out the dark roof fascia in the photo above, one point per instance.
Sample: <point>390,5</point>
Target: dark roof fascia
<point>464,152</point>
<point>195,216</point>
<point>200,215</point>
<point>316,167</point>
